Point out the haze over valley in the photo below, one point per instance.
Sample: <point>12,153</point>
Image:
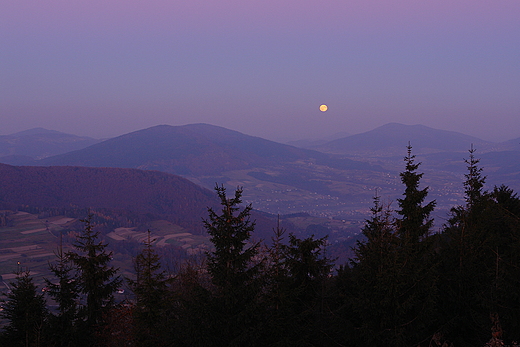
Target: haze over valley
<point>336,179</point>
<point>259,173</point>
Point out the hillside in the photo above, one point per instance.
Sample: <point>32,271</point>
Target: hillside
<point>390,139</point>
<point>192,150</point>
<point>132,195</point>
<point>276,178</point>
<point>39,143</point>
<point>37,204</point>
<point>284,179</point>
<point>158,194</point>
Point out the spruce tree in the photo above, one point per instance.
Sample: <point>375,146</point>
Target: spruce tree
<point>276,271</point>
<point>307,270</point>
<point>232,268</point>
<point>414,223</point>
<point>474,182</point>
<point>65,292</point>
<point>194,316</point>
<point>379,243</point>
<point>230,264</point>
<point>26,313</point>
<point>307,267</point>
<point>394,272</point>
<point>97,280</point>
<point>275,296</point>
<point>464,248</point>
<point>377,285</point>
<point>152,299</point>
<point>416,260</point>
<point>481,266</point>
<point>504,259</point>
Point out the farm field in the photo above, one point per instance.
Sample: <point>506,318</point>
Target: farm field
<point>30,243</point>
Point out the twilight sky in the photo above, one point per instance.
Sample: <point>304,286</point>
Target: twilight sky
<point>103,68</point>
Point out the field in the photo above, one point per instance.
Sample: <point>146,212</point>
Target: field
<point>31,243</point>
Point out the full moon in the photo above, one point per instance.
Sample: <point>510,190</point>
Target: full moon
<point>323,108</point>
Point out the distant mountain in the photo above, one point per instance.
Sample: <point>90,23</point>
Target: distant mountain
<point>280,178</point>
<point>277,178</point>
<point>36,131</point>
<point>511,145</point>
<point>193,150</point>
<point>392,139</point>
<point>40,143</point>
<point>18,160</point>
<point>160,195</point>
<point>312,143</point>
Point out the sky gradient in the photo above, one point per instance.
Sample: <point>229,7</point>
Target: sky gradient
<point>262,67</point>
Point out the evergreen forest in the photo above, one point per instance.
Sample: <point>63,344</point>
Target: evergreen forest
<point>405,284</point>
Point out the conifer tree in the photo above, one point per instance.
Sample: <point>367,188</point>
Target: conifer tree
<point>276,272</point>
<point>307,269</point>
<point>379,242</point>
<point>481,266</point>
<point>306,266</point>
<point>25,311</point>
<point>474,182</point>
<point>294,298</point>
<point>63,325</point>
<point>394,272</point>
<point>230,264</point>
<point>232,268</point>
<point>415,259</point>
<point>463,266</point>
<point>194,315</point>
<point>504,260</point>
<point>377,286</point>
<point>97,280</point>
<point>151,293</point>
<point>415,222</point>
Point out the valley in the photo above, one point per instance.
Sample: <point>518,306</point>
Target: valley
<point>161,179</point>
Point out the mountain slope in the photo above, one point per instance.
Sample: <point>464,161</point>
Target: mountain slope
<point>161,195</point>
<point>392,139</point>
<point>192,150</point>
<point>40,143</point>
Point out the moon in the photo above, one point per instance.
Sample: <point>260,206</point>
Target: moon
<point>323,108</point>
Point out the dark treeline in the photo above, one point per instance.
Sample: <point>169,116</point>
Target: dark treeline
<point>405,285</point>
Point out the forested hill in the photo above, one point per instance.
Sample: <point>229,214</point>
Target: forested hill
<point>40,143</point>
<point>390,138</point>
<point>193,150</point>
<point>161,195</point>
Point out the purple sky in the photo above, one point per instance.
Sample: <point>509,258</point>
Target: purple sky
<point>102,68</point>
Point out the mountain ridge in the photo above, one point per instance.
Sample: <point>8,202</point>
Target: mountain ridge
<point>194,149</point>
<point>162,195</point>
<point>280,178</point>
<point>391,138</point>
<point>38,143</point>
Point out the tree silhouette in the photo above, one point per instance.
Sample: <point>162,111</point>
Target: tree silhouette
<point>25,312</point>
<point>151,295</point>
<point>415,221</point>
<point>63,325</point>
<point>232,268</point>
<point>97,280</point>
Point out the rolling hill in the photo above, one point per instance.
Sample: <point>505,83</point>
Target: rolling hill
<point>284,179</point>
<point>277,178</point>
<point>153,193</point>
<point>37,204</point>
<point>392,138</point>
<point>140,196</point>
<point>192,150</point>
<point>38,143</point>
